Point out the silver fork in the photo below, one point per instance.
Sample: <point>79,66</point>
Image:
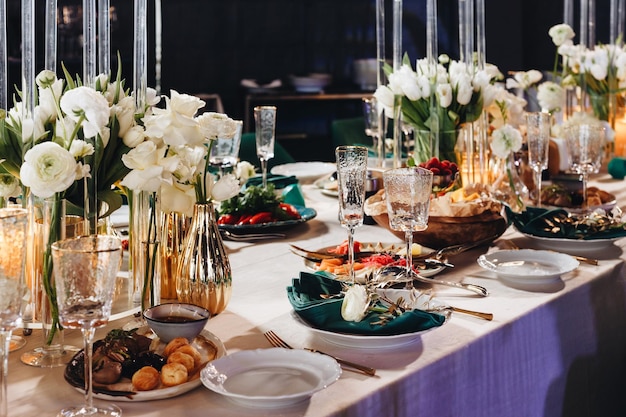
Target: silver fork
<point>276,341</point>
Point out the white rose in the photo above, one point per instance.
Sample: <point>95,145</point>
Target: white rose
<point>355,303</point>
<point>178,198</point>
<point>505,140</point>
<point>84,102</point>
<point>561,33</point>
<point>134,136</point>
<point>48,168</point>
<point>551,96</point>
<point>225,188</point>
<point>9,186</point>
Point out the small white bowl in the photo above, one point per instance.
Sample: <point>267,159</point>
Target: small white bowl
<point>173,320</point>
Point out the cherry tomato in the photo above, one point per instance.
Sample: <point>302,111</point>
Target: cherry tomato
<point>228,219</point>
<point>261,217</point>
<point>290,210</point>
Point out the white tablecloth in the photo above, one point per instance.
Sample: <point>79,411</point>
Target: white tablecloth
<point>546,353</point>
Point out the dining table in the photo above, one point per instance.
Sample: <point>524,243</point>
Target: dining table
<point>555,350</point>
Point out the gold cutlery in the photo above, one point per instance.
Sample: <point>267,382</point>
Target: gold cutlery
<point>246,237</point>
<point>276,341</point>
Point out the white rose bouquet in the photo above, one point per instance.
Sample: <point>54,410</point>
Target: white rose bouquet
<point>459,94</point>
<point>173,158</point>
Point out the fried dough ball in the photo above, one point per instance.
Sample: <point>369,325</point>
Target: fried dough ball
<point>182,358</point>
<point>193,352</point>
<point>173,374</point>
<point>146,379</point>
<point>174,344</point>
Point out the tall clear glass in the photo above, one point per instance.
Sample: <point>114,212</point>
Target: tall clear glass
<point>374,129</point>
<point>408,191</point>
<point>265,128</point>
<point>351,176</point>
<point>13,237</point>
<point>585,146</point>
<point>85,270</point>
<point>225,151</point>
<point>538,138</point>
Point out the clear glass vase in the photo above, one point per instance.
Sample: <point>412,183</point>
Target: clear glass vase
<point>204,275</point>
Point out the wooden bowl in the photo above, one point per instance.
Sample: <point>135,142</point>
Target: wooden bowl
<point>447,231</point>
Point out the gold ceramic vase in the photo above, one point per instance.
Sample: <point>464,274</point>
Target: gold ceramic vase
<point>204,276</point>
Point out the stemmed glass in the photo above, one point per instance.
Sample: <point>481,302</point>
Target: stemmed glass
<point>351,175</point>
<point>13,234</point>
<point>538,138</point>
<point>585,145</point>
<point>225,152</point>
<point>408,191</point>
<point>85,270</point>
<point>265,128</point>
<point>373,129</point>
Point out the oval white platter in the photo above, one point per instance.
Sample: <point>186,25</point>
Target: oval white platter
<point>305,172</point>
<point>528,266</point>
<point>270,378</point>
<point>125,392</point>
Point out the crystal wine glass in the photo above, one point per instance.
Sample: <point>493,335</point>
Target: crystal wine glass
<point>373,129</point>
<point>265,128</point>
<point>13,237</point>
<point>225,151</point>
<point>585,145</point>
<point>408,191</point>
<point>351,175</point>
<point>538,138</point>
<point>85,270</point>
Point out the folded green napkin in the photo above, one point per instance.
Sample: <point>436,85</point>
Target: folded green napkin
<point>279,181</point>
<point>325,314</point>
<point>538,222</point>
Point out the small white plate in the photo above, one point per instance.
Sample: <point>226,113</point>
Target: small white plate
<point>528,265</point>
<point>416,299</point>
<point>306,172</point>
<point>574,246</point>
<point>270,378</point>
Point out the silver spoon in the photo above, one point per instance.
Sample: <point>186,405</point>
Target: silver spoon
<point>244,237</point>
<point>399,272</point>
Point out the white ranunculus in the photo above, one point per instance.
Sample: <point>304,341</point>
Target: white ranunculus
<point>134,136</point>
<point>551,96</point>
<point>444,95</point>
<point>244,170</point>
<point>90,104</point>
<point>48,168</point>
<point>80,149</point>
<point>505,140</point>
<point>355,304</point>
<point>561,33</point>
<point>178,198</point>
<point>9,186</point>
<point>226,187</point>
<point>216,125</point>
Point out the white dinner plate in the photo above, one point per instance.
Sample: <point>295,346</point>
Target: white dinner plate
<point>528,266</point>
<point>415,299</point>
<point>575,246</point>
<point>327,185</point>
<point>270,378</point>
<point>305,172</point>
<point>122,391</point>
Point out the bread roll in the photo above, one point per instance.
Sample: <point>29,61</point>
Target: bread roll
<point>182,358</point>
<point>193,352</point>
<point>173,345</point>
<point>145,379</point>
<point>173,374</point>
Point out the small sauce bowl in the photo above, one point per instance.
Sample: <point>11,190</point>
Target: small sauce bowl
<point>173,320</point>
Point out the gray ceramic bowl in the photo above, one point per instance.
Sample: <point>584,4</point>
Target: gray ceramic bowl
<point>173,320</point>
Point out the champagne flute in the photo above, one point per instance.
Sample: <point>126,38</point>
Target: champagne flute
<point>585,145</point>
<point>265,128</point>
<point>373,129</point>
<point>225,151</point>
<point>408,191</point>
<point>85,270</point>
<point>538,138</point>
<point>13,237</point>
<point>351,175</point>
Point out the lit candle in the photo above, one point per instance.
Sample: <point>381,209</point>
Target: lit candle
<point>51,35</point>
